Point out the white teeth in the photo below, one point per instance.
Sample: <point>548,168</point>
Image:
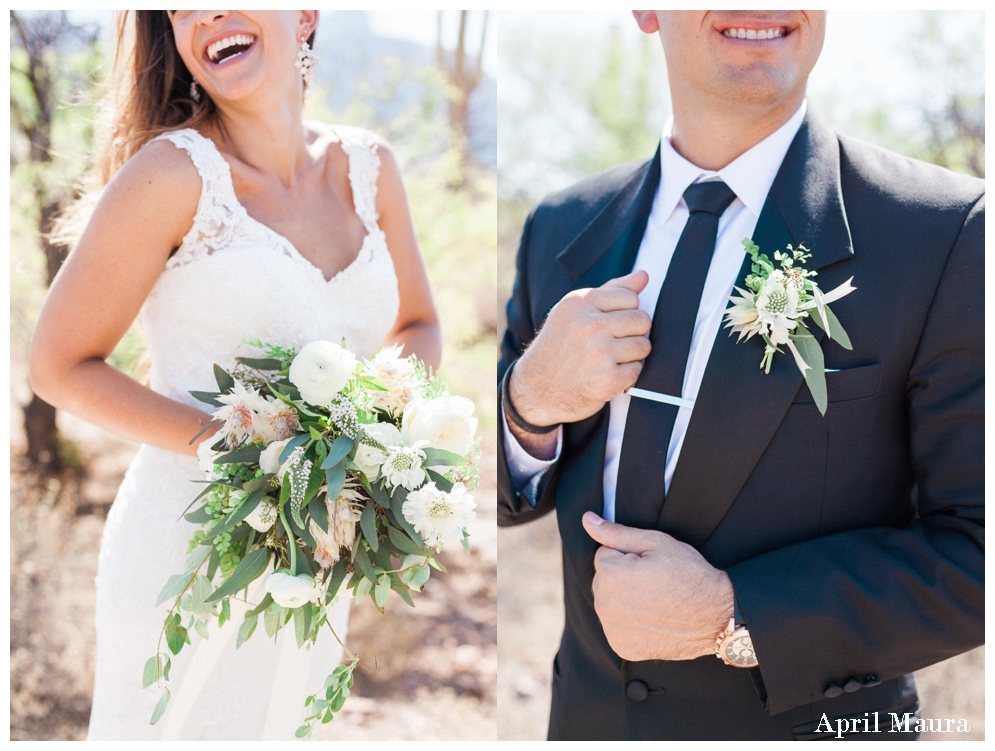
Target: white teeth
<point>752,33</point>
<point>240,39</point>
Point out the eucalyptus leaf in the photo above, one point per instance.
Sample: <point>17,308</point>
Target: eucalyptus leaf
<point>397,506</point>
<point>815,375</point>
<point>176,635</point>
<point>363,588</point>
<point>337,451</point>
<point>201,628</point>
<point>419,577</point>
<point>368,523</point>
<point>441,458</point>
<point>199,516</point>
<point>246,630</point>
<point>152,671</point>
<point>272,619</point>
<point>208,397</point>
<point>261,363</point>
<point>225,382</point>
<point>319,512</point>
<point>406,597</point>
<point>299,631</point>
<point>404,543</point>
<point>246,455</point>
<point>382,591</point>
<point>267,601</point>
<point>174,587</point>
<point>362,561</point>
<point>257,483</point>
<point>335,477</point>
<point>292,444</point>
<point>160,707</point>
<point>248,570</point>
<point>338,575</point>
<point>379,495</point>
<point>440,482</point>
<point>836,332</point>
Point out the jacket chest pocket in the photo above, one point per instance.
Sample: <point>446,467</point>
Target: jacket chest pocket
<point>846,385</point>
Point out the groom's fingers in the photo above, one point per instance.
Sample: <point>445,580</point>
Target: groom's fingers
<point>620,537</point>
<point>636,282</point>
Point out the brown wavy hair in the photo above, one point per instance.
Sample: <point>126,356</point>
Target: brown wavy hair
<point>148,94</point>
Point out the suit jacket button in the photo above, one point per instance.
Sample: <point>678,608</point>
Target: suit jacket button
<point>870,681</point>
<point>852,685</point>
<point>637,691</point>
<point>832,691</point>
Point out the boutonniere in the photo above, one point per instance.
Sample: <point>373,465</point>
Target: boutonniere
<point>776,304</point>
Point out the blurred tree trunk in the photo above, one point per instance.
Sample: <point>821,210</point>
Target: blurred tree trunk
<point>39,35</point>
<point>463,75</point>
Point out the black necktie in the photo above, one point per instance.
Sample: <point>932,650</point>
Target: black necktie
<point>640,489</point>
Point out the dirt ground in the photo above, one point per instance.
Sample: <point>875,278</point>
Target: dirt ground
<point>431,671</point>
<point>530,620</point>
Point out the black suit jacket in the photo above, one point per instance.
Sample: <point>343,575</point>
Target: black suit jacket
<point>854,541</point>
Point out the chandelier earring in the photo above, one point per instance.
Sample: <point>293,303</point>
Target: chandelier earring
<point>194,91</point>
<point>306,62</point>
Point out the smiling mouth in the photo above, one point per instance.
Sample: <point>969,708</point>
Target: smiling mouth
<point>772,33</point>
<point>229,47</point>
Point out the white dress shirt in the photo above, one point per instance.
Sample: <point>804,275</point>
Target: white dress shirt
<point>750,177</point>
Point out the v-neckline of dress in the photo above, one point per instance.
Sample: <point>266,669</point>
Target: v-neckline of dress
<point>282,239</point>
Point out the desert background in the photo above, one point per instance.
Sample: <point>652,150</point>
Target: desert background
<point>582,92</point>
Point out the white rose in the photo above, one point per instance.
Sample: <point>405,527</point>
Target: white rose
<point>269,459</point>
<point>292,591</point>
<point>263,516</point>
<point>320,371</point>
<point>446,422</point>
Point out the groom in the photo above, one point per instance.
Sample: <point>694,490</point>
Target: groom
<point>824,557</point>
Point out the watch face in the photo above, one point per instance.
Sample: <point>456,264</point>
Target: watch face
<point>739,650</point>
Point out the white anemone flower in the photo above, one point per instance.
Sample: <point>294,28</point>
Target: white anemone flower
<point>239,414</point>
<point>403,466</point>
<point>439,517</point>
<point>777,307</point>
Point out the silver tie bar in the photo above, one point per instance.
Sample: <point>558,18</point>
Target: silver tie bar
<point>655,397</point>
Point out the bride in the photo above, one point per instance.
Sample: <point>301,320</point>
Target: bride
<point>224,218</point>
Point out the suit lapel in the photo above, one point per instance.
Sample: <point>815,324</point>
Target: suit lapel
<point>739,408</point>
<point>606,248</point>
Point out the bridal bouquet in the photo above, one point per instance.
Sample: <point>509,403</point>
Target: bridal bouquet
<point>328,475</point>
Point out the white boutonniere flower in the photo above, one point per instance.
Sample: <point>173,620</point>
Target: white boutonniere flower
<point>777,302</point>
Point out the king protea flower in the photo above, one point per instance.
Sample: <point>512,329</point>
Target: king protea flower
<point>343,513</point>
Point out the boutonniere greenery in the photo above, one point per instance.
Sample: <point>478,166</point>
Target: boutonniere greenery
<point>776,304</point>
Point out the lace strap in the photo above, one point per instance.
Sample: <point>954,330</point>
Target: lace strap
<point>364,169</point>
<point>218,205</point>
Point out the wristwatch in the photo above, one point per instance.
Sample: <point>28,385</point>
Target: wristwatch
<point>733,645</point>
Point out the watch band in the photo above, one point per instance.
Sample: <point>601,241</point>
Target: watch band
<point>512,413</point>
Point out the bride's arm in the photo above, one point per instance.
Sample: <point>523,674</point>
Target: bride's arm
<point>145,211</point>
<point>417,326</point>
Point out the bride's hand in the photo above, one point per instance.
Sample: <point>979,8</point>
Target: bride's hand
<point>144,212</point>
<point>417,325</point>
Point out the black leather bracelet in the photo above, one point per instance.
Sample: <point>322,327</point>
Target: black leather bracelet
<point>509,408</point>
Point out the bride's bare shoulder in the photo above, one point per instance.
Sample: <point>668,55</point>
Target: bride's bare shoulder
<point>160,183</point>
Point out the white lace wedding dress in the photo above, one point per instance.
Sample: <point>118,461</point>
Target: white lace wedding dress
<point>233,279</point>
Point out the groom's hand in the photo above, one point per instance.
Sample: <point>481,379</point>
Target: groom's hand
<point>657,598</point>
<point>589,349</point>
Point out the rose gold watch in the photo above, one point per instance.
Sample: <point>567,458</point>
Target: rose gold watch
<point>734,646</point>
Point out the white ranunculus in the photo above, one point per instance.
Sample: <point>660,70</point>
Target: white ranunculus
<point>292,591</point>
<point>446,422</point>
<point>263,516</point>
<point>320,371</point>
<point>439,517</point>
